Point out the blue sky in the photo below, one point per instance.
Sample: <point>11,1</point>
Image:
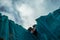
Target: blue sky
<point>24,12</point>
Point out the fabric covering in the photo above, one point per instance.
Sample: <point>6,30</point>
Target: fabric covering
<point>48,28</point>
<point>12,31</point>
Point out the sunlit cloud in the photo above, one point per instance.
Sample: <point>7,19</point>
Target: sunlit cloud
<point>24,12</point>
<point>27,15</point>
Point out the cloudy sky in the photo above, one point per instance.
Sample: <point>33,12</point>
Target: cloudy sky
<point>24,12</point>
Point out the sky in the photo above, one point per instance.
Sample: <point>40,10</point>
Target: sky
<point>24,12</point>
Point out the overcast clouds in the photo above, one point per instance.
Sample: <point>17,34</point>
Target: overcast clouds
<point>25,12</point>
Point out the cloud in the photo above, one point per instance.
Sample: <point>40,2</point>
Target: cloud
<point>26,15</point>
<point>25,12</point>
<point>39,7</point>
<point>8,7</point>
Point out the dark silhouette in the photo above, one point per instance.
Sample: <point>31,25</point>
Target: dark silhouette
<point>1,39</point>
<point>30,29</point>
<point>33,30</point>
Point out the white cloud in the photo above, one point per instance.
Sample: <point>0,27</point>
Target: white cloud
<point>27,15</point>
<point>29,10</point>
<point>10,16</point>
